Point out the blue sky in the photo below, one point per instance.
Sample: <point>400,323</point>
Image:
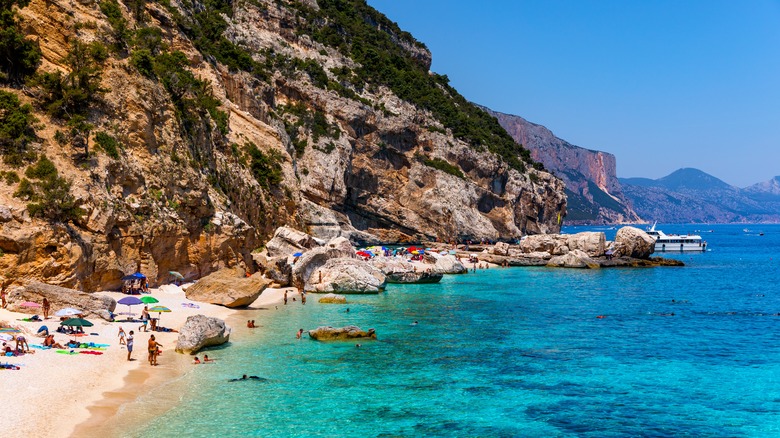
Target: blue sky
<point>660,84</point>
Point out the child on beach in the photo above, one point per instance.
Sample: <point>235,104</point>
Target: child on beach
<point>122,336</point>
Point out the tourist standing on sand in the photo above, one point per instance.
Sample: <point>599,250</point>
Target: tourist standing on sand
<point>285,298</point>
<point>45,308</point>
<point>154,350</point>
<point>144,318</point>
<point>130,345</point>
<point>122,336</point>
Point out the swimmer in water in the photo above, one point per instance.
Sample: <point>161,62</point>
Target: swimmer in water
<point>245,377</point>
<point>414,323</point>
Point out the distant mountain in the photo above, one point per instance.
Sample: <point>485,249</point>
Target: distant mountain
<point>767,189</point>
<point>594,194</point>
<point>690,195</point>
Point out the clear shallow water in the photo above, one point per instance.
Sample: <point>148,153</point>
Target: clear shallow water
<point>513,352</point>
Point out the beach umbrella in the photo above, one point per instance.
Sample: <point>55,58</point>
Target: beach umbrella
<point>149,300</point>
<point>76,322</point>
<point>130,301</point>
<point>176,274</point>
<point>29,304</point>
<point>68,311</point>
<point>159,310</point>
<point>132,277</point>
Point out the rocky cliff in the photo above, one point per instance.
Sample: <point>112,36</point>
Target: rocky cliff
<point>177,135</point>
<point>594,192</point>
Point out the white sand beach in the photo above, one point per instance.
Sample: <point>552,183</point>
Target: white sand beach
<point>55,395</point>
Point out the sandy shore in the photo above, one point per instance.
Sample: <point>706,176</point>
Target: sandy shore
<point>60,395</point>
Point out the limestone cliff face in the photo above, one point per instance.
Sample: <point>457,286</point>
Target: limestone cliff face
<point>185,196</point>
<point>595,194</point>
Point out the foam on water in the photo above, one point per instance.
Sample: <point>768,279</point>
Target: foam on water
<point>512,352</point>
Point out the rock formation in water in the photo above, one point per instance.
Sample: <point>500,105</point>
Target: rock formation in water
<point>178,135</point>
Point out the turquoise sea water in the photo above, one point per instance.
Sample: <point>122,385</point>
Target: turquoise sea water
<point>514,352</point>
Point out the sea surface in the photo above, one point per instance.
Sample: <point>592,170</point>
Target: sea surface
<point>505,352</point>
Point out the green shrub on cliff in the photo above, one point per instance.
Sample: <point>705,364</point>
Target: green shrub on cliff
<point>16,131</point>
<point>266,168</point>
<point>444,166</point>
<point>108,144</point>
<point>49,194</point>
<point>19,56</point>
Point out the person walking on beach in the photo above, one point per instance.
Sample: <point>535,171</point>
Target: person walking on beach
<point>285,298</point>
<point>129,345</point>
<point>122,336</point>
<point>45,308</point>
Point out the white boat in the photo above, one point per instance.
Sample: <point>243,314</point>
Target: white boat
<point>676,242</point>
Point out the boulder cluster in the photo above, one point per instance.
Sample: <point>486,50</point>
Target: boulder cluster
<point>631,247</point>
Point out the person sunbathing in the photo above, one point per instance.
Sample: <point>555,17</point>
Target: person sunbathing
<point>49,342</point>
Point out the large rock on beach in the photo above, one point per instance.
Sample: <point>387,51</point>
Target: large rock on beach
<point>312,260</point>
<point>276,269</point>
<point>201,331</point>
<point>573,259</point>
<point>349,332</point>
<point>59,298</point>
<point>333,299</point>
<point>346,276</point>
<point>592,243</point>
<point>633,242</point>
<point>391,264</point>
<point>288,241</point>
<point>554,244</point>
<point>447,264</point>
<point>500,248</point>
<point>228,288</point>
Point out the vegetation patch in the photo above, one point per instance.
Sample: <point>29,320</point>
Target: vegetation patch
<point>265,167</point>
<point>16,130</point>
<point>108,144</point>
<point>19,56</point>
<point>444,166</point>
<point>48,193</point>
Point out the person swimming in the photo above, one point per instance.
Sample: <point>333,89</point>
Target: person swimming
<point>245,377</point>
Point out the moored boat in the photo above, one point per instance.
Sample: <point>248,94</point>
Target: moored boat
<point>676,242</point>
